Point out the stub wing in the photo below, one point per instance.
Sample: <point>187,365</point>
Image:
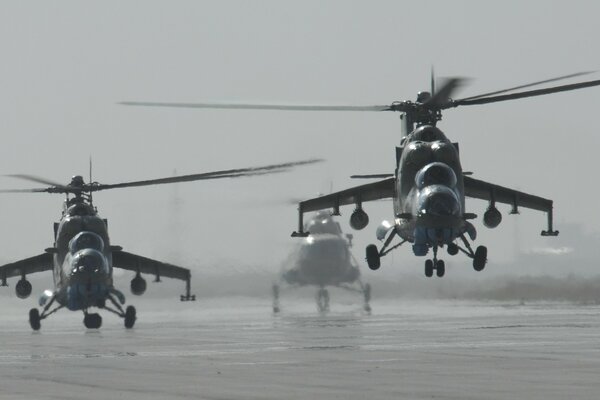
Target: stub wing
<point>372,191</point>
<point>133,262</point>
<point>479,189</point>
<point>39,263</point>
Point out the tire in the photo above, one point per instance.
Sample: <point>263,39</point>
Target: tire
<point>429,268</point>
<point>480,258</point>
<point>130,317</point>
<point>440,268</point>
<point>34,319</point>
<point>92,321</point>
<point>367,292</point>
<point>373,257</point>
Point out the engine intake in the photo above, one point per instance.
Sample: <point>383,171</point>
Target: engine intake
<point>492,217</point>
<point>138,285</point>
<point>23,288</point>
<point>359,219</point>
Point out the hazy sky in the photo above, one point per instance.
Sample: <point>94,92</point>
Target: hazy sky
<point>65,65</point>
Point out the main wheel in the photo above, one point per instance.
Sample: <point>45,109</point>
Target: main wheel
<point>34,319</point>
<point>440,268</point>
<point>367,292</point>
<point>373,257</point>
<point>480,258</point>
<point>130,317</point>
<point>429,268</point>
<point>92,321</point>
<point>452,249</point>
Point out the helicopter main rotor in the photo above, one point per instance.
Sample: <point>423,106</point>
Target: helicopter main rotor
<point>79,188</point>
<point>427,109</point>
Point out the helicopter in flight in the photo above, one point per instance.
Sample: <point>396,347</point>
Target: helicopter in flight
<point>323,259</point>
<point>82,257</point>
<point>428,186</point>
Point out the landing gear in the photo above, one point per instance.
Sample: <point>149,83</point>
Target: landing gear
<point>323,300</point>
<point>130,317</point>
<point>367,297</point>
<point>480,258</point>
<point>92,321</point>
<point>440,268</point>
<point>438,265</point>
<point>373,257</point>
<point>276,308</point>
<point>429,268</point>
<point>34,319</point>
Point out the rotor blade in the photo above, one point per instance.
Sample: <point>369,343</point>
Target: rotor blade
<point>529,85</point>
<point>23,190</point>
<point>443,94</point>
<point>231,173</point>
<point>36,179</point>
<point>280,107</point>
<point>520,95</point>
<point>371,176</point>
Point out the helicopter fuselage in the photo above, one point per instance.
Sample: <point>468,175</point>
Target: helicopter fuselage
<point>82,258</point>
<point>430,201</point>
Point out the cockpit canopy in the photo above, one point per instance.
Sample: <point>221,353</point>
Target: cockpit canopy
<point>436,173</point>
<point>323,223</point>
<point>89,261</point>
<point>81,209</point>
<point>86,240</point>
<point>427,133</point>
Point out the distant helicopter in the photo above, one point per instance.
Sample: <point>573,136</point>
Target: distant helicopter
<point>82,258</point>
<point>323,259</point>
<point>428,186</point>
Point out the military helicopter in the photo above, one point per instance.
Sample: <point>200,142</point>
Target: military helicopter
<point>82,258</point>
<point>428,186</point>
<point>323,259</point>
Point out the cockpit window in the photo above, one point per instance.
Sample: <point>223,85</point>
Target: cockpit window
<point>86,240</point>
<point>89,261</point>
<point>323,224</point>
<point>435,174</point>
<point>428,134</point>
<point>80,209</point>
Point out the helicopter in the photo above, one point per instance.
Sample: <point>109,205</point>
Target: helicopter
<point>82,257</point>
<point>428,186</point>
<point>323,259</point>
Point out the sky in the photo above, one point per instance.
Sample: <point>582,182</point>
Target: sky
<point>66,64</point>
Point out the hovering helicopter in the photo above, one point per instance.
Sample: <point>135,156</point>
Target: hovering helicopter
<point>428,186</point>
<point>323,259</point>
<point>82,258</point>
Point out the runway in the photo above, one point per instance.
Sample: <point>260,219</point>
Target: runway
<point>234,348</point>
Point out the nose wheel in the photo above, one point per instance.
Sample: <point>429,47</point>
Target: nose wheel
<point>276,307</point>
<point>438,265</point>
<point>323,300</point>
<point>92,321</point>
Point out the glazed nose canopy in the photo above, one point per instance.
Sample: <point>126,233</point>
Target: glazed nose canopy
<point>439,201</point>
<point>86,240</point>
<point>436,173</point>
<point>88,262</point>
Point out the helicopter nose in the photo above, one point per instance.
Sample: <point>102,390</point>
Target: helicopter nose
<point>439,201</point>
<point>88,263</point>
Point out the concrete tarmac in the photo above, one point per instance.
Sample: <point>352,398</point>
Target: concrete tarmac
<point>236,349</point>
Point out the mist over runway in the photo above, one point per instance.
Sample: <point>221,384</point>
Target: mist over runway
<point>233,348</point>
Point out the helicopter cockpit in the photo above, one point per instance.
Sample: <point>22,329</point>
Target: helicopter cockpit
<point>323,224</point>
<point>80,209</point>
<point>427,133</point>
<point>86,240</point>
<point>436,173</point>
